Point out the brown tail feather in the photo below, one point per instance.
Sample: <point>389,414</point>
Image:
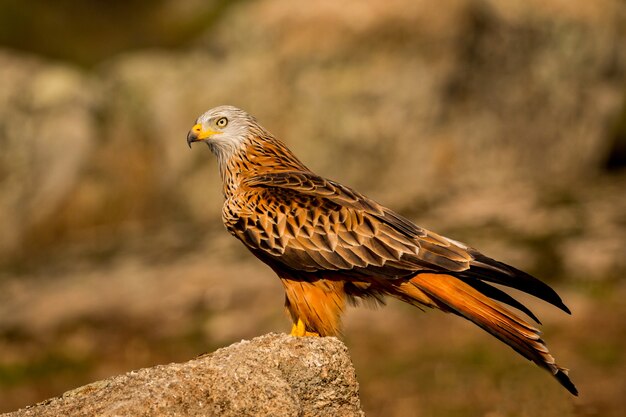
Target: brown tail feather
<point>453,295</point>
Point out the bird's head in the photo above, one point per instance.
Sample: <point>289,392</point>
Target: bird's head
<point>223,128</point>
<point>233,135</point>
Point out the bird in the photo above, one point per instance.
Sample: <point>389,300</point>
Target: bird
<point>332,246</point>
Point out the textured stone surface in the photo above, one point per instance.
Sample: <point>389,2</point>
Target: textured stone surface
<point>271,375</point>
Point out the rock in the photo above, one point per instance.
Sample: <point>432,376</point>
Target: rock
<point>271,375</point>
<point>47,129</point>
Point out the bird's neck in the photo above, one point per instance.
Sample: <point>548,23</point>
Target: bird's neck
<point>255,157</point>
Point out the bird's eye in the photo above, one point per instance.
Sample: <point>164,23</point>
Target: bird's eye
<point>221,122</point>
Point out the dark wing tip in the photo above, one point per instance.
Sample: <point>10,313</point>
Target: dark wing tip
<point>489,269</point>
<point>563,378</point>
<point>498,295</point>
<point>565,308</point>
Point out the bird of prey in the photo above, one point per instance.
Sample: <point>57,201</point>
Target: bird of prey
<point>330,244</point>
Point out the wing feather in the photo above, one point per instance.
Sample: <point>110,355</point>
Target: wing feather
<point>302,221</point>
<point>339,228</point>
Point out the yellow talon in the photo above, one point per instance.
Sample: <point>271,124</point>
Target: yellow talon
<point>299,330</point>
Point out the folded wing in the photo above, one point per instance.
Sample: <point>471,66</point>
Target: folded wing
<point>304,222</point>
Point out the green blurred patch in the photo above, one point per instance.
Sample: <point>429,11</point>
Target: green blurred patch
<point>54,364</point>
<point>602,353</point>
<point>86,32</point>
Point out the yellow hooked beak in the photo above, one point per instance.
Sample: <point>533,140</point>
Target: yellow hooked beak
<point>198,134</point>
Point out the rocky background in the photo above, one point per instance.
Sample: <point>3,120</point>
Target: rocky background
<point>498,123</point>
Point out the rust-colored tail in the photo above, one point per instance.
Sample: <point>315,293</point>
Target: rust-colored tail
<point>451,294</point>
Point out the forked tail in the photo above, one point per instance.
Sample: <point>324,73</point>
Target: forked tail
<point>451,294</point>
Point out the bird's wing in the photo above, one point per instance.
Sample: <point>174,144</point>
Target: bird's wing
<point>306,222</point>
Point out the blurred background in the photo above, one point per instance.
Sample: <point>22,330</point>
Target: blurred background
<point>498,123</point>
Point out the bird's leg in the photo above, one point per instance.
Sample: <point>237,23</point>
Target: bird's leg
<point>299,330</point>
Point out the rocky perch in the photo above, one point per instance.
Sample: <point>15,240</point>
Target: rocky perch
<point>271,375</point>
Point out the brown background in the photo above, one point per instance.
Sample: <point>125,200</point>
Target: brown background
<point>498,123</point>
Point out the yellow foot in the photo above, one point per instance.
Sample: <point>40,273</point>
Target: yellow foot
<point>299,330</point>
